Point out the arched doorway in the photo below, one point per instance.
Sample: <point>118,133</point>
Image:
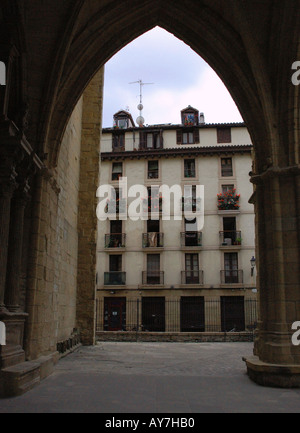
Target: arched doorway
<point>235,40</point>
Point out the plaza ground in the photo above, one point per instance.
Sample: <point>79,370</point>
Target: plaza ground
<point>163,378</point>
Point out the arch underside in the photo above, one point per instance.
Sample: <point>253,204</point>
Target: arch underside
<point>235,40</point>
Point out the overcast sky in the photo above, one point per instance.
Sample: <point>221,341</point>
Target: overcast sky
<point>180,78</point>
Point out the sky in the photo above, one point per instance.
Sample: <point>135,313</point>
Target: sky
<point>180,78</point>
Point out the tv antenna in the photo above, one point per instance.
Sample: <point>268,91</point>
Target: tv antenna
<point>140,120</point>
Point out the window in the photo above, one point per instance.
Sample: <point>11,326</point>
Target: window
<point>189,168</point>
<point>117,170</point>
<point>154,200</point>
<point>226,167</point>
<point>224,135</point>
<point>153,172</point>
<point>227,188</point>
<point>188,136</point>
<point>151,140</point>
<point>118,142</point>
<point>115,263</point>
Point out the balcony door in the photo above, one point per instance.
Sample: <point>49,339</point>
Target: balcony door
<point>229,228</point>
<point>191,233</point>
<point>192,268</point>
<point>231,268</point>
<point>153,269</point>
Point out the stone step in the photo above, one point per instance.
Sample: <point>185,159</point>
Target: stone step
<point>20,378</point>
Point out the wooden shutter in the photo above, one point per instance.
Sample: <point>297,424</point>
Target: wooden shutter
<point>179,136</point>
<point>224,135</point>
<point>143,140</point>
<point>196,136</point>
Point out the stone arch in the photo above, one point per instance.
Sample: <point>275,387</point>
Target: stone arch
<point>218,43</point>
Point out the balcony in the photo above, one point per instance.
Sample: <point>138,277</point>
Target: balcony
<point>115,240</point>
<point>230,237</point>
<point>191,239</point>
<point>232,276</point>
<point>192,277</point>
<point>153,240</point>
<point>114,278</point>
<point>153,278</point>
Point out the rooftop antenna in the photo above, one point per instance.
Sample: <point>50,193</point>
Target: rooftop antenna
<point>140,120</point>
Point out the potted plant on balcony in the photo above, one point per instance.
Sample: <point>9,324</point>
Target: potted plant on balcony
<point>228,200</point>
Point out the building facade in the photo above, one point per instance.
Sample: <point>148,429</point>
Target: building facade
<point>175,271</point>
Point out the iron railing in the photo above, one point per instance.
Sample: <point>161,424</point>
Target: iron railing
<point>153,240</point>
<point>232,276</point>
<point>230,237</point>
<point>114,278</point>
<point>153,277</point>
<point>192,277</point>
<point>187,314</point>
<point>115,240</point>
<point>191,239</point>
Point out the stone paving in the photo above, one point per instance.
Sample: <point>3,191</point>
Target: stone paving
<point>112,378</point>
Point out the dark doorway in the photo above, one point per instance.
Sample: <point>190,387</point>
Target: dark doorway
<point>153,314</point>
<point>232,313</point>
<point>115,314</point>
<point>192,316</point>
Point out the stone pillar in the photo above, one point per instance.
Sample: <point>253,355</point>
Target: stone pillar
<point>14,262</point>
<point>277,360</point>
<point>7,187</point>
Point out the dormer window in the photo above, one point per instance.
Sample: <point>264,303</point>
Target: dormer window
<point>123,120</point>
<point>190,116</point>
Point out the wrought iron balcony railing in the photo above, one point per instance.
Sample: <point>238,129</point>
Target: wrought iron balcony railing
<point>230,237</point>
<point>153,277</point>
<point>114,278</point>
<point>153,240</point>
<point>232,276</point>
<point>115,240</point>
<point>191,239</point>
<point>192,277</point>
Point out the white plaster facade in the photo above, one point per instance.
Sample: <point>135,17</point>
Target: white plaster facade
<point>210,253</point>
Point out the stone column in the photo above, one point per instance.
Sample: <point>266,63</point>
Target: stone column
<point>277,360</point>
<point>7,187</point>
<point>14,262</point>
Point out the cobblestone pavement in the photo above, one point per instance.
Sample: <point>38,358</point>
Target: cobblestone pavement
<point>181,378</point>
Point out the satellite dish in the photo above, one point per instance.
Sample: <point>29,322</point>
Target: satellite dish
<point>140,121</point>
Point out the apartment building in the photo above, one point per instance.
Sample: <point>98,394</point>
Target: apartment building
<point>177,273</point>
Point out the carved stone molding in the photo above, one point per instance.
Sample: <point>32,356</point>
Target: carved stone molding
<point>273,172</point>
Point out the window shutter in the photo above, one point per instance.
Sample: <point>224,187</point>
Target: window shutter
<point>161,139</point>
<point>224,135</point>
<point>179,136</point>
<point>196,136</point>
<point>143,140</point>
